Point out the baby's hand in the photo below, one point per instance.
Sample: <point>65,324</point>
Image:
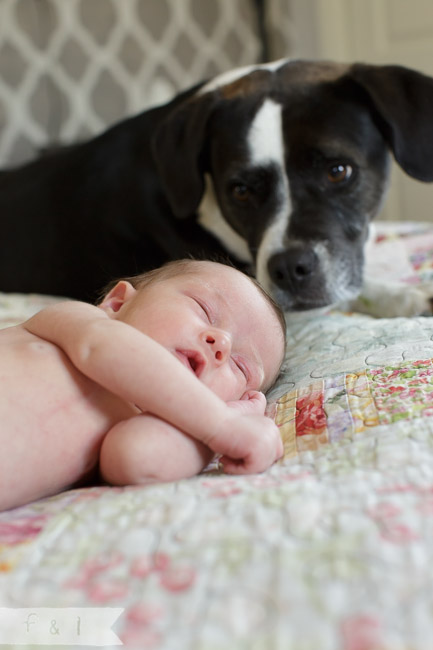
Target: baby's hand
<point>249,442</point>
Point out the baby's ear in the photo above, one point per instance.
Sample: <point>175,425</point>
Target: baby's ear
<point>117,296</point>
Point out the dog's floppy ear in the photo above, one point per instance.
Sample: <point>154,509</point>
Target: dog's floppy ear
<point>178,149</point>
<point>404,100</point>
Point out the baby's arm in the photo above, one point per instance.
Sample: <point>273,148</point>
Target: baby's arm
<point>142,372</point>
<point>146,449</point>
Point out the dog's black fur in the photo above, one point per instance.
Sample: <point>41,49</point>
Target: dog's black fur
<point>136,196</point>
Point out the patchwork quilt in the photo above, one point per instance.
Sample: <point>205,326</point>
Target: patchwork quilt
<point>331,549</point>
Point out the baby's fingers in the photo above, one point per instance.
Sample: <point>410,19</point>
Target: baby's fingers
<point>253,463</point>
<point>239,466</point>
<point>233,465</point>
<point>253,402</point>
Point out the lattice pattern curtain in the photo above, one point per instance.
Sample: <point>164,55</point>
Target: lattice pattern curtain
<point>69,68</point>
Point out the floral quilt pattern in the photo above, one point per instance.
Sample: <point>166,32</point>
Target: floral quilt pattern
<point>332,409</point>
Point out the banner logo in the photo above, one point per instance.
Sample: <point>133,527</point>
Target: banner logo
<point>59,626</point>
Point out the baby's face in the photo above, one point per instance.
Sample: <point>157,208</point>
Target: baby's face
<point>217,323</point>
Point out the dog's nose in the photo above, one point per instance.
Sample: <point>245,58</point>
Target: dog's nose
<point>293,267</point>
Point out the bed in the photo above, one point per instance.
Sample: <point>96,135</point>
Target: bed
<point>330,549</point>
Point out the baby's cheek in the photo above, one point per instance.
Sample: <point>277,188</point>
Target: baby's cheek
<point>227,387</point>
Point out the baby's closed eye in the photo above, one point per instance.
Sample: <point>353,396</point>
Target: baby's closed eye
<point>204,309</point>
<point>241,367</point>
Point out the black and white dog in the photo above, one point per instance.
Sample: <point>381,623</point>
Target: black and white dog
<point>279,167</point>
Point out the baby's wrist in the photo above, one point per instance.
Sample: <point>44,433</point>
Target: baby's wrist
<point>223,429</point>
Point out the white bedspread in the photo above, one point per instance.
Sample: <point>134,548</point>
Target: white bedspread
<point>331,549</point>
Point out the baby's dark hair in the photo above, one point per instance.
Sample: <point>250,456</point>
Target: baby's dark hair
<point>178,267</point>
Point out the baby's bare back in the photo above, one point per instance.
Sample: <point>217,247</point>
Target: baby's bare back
<point>52,419</point>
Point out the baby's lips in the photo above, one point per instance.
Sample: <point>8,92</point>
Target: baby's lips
<point>192,360</point>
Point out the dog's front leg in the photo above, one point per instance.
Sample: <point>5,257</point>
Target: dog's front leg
<point>386,299</point>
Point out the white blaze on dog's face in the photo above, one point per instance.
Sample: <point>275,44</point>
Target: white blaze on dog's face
<point>266,146</point>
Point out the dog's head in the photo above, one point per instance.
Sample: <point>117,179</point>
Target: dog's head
<point>287,163</point>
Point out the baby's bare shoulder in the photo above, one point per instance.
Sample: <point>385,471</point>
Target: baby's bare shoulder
<point>15,334</point>
<point>63,321</point>
<point>18,338</point>
<point>68,309</point>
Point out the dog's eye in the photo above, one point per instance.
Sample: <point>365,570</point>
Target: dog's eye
<point>240,192</point>
<point>338,173</point>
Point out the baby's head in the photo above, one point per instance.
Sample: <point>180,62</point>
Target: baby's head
<point>216,320</point>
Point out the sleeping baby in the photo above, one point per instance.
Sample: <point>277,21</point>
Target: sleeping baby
<point>146,387</point>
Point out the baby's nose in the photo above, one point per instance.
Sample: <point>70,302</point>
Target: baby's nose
<point>220,344</point>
